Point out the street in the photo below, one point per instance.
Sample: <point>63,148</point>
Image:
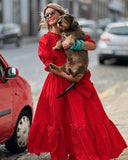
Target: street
<point>31,68</point>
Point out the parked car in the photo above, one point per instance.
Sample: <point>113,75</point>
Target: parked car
<point>90,27</point>
<point>113,43</point>
<point>10,33</point>
<point>16,108</point>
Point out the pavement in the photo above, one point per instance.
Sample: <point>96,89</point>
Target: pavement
<point>30,39</point>
<point>116,106</point>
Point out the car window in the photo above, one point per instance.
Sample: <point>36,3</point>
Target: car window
<point>11,26</point>
<point>119,30</point>
<point>8,27</point>
<point>15,26</point>
<point>2,68</point>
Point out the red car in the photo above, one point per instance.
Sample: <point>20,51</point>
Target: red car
<point>16,108</point>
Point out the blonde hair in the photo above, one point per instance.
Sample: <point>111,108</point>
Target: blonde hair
<point>54,6</point>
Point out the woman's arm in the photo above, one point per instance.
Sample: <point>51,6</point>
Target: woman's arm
<point>88,45</point>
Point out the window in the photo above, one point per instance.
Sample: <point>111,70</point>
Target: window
<point>16,11</point>
<point>119,30</point>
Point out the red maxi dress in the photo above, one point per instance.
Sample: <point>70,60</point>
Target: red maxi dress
<point>75,123</point>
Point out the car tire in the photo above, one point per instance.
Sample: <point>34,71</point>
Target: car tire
<point>18,42</point>
<point>18,141</point>
<point>101,60</point>
<point>1,44</point>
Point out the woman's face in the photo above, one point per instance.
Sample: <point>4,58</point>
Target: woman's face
<point>51,16</point>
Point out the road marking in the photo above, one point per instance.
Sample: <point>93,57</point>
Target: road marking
<point>104,94</point>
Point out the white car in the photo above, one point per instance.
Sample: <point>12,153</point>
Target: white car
<point>113,43</point>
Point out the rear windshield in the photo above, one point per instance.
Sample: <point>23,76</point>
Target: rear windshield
<point>119,30</point>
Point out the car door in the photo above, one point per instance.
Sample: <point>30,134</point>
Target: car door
<point>6,104</point>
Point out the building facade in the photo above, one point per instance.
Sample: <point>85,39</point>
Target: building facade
<point>26,13</point>
<point>116,9</point>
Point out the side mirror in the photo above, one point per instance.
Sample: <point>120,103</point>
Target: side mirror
<point>11,72</point>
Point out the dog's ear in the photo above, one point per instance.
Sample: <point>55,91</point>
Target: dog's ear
<point>72,21</point>
<point>74,24</point>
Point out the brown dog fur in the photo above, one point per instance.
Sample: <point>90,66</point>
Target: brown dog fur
<point>77,61</point>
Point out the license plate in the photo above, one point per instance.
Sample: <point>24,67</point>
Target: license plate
<point>114,52</point>
<point>120,52</point>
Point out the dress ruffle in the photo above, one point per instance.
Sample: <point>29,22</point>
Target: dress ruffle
<point>94,142</point>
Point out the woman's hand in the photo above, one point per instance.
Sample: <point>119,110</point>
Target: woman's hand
<point>64,75</point>
<point>65,43</point>
<point>87,44</point>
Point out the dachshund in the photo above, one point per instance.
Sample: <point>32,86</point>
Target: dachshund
<point>77,60</point>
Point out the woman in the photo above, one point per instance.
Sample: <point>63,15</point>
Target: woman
<point>75,124</point>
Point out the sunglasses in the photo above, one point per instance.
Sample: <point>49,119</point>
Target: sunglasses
<point>52,13</point>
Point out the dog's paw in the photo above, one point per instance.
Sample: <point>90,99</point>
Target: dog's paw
<point>55,49</point>
<point>67,73</point>
<point>51,66</point>
<point>71,43</point>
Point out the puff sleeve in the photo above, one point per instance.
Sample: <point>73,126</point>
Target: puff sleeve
<point>88,38</point>
<point>45,51</point>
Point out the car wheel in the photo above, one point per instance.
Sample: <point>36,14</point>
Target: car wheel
<point>1,44</point>
<point>101,60</point>
<point>18,42</point>
<point>18,141</point>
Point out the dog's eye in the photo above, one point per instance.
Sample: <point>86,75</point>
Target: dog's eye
<point>66,17</point>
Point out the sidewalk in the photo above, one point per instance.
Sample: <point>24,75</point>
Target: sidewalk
<point>116,107</point>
